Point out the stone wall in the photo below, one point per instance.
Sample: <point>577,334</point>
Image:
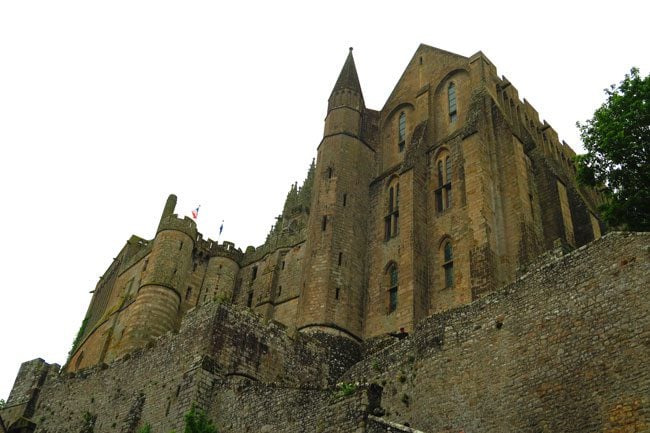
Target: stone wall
<point>564,348</point>
<point>158,384</point>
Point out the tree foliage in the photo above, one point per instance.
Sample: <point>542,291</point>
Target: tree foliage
<point>617,140</point>
<point>196,421</point>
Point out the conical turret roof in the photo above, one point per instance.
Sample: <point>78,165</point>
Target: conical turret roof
<point>348,78</point>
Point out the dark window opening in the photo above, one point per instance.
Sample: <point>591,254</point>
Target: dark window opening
<point>340,258</point>
<point>391,221</point>
<point>282,264</point>
<point>345,199</point>
<point>279,290</point>
<point>254,275</point>
<point>180,247</point>
<point>443,190</point>
<point>249,302</point>
<point>337,293</point>
<point>392,288</point>
<point>324,223</point>
<point>448,265</point>
<point>329,172</point>
<point>401,131</point>
<point>453,109</point>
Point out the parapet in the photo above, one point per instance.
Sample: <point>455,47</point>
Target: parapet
<point>185,225</point>
<point>212,248</point>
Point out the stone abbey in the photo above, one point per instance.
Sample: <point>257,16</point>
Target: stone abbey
<point>410,215</point>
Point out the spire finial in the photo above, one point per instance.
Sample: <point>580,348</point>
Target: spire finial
<point>351,48</point>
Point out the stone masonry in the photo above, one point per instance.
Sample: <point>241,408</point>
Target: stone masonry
<point>438,270</point>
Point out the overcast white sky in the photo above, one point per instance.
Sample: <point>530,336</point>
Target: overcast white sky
<point>108,107</point>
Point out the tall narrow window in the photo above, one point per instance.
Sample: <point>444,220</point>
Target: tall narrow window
<point>391,220</point>
<point>443,182</point>
<point>345,199</point>
<point>254,274</point>
<point>451,94</point>
<point>448,264</point>
<point>324,223</point>
<point>340,258</point>
<point>448,182</point>
<point>392,288</point>
<point>249,302</point>
<point>401,131</point>
<point>337,293</point>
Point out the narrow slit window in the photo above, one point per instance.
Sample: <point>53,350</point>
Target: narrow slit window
<point>340,258</point>
<point>324,223</point>
<point>401,133</point>
<point>451,94</point>
<point>448,264</point>
<point>337,293</point>
<point>249,302</point>
<point>391,220</point>
<point>443,182</point>
<point>345,199</point>
<point>254,274</point>
<point>392,288</point>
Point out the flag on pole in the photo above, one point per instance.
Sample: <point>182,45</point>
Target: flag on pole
<point>221,228</point>
<point>195,212</point>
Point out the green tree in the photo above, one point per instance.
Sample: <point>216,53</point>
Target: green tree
<point>197,422</point>
<point>617,140</point>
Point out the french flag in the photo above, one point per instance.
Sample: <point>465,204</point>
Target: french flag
<point>195,212</point>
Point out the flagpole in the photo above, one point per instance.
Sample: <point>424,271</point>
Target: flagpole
<point>220,230</point>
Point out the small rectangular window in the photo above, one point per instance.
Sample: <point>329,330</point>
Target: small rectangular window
<point>345,199</point>
<point>282,264</point>
<point>254,275</point>
<point>324,223</point>
<point>340,258</point>
<point>249,303</point>
<point>337,293</point>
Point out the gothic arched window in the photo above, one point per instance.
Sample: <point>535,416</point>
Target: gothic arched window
<point>401,131</point>
<point>443,174</point>
<point>451,96</point>
<point>391,220</point>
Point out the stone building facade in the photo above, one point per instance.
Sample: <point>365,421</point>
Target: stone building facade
<point>450,191</point>
<point>424,205</point>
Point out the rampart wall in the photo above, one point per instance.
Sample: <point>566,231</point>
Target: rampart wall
<point>563,349</point>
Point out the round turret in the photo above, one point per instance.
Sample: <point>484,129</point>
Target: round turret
<point>155,310</point>
<point>219,281</point>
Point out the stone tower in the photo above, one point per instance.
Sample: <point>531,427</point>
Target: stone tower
<point>157,304</point>
<point>333,289</point>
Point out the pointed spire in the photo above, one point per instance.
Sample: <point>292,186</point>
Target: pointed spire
<point>348,78</point>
